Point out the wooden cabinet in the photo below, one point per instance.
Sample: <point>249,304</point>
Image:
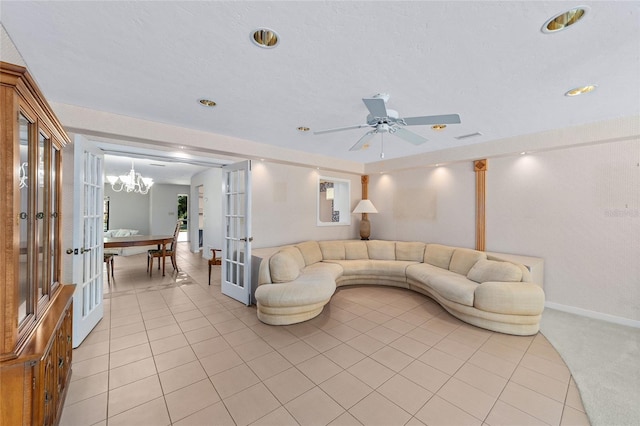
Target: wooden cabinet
<point>35,309</point>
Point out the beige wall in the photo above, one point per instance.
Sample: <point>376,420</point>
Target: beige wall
<point>577,208</point>
<point>433,204</point>
<point>284,205</point>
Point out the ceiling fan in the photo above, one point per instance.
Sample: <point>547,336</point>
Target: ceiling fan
<point>383,120</point>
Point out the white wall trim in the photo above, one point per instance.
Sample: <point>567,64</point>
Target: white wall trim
<point>592,314</point>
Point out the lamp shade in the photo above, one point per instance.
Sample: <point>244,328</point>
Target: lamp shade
<point>365,206</point>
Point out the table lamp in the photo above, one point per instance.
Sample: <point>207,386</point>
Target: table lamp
<point>365,207</point>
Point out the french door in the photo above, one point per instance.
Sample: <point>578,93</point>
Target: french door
<point>88,205</point>
<point>236,250</point>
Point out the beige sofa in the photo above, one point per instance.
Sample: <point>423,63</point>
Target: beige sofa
<point>297,281</point>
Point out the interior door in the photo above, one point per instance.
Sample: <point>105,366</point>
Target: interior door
<point>88,205</point>
<point>236,250</point>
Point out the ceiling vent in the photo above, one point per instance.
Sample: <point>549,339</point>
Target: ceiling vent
<point>470,135</point>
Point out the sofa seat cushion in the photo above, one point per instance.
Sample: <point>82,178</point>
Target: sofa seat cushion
<point>332,269</point>
<point>423,272</point>
<point>306,290</point>
<point>386,268</point>
<point>509,298</point>
<point>493,270</point>
<point>455,288</point>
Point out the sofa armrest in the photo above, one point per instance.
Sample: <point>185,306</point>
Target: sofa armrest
<point>509,298</point>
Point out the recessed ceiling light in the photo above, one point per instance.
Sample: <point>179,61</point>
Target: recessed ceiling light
<point>207,102</point>
<point>303,129</point>
<point>265,38</point>
<point>523,152</point>
<point>366,146</point>
<point>438,127</point>
<point>581,90</point>
<point>564,20</point>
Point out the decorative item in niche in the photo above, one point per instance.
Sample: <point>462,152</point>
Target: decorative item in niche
<point>328,212</point>
<point>334,200</point>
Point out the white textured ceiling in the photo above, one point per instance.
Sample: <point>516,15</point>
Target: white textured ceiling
<point>487,61</point>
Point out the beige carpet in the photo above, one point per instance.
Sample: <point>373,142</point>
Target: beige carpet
<point>604,359</point>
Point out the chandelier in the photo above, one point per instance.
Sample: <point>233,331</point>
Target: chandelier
<point>132,182</point>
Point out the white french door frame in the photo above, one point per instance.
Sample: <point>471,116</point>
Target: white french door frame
<point>236,249</point>
<point>88,206</point>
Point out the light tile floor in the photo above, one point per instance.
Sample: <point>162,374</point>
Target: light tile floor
<point>172,350</point>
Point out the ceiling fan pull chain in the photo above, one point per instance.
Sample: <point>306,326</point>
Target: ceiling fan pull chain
<point>382,145</point>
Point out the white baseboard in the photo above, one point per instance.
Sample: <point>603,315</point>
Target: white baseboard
<point>592,314</point>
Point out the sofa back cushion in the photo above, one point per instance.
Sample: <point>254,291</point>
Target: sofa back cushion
<point>410,251</point>
<point>463,260</point>
<point>381,250</point>
<point>297,256</point>
<point>493,270</point>
<point>283,267</point>
<point>332,250</point>
<point>356,250</point>
<point>438,255</point>
<point>310,252</point>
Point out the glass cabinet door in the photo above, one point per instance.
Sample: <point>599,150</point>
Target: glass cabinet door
<point>25,180</point>
<point>54,222</point>
<point>41,255</point>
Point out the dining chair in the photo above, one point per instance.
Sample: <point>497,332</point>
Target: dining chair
<point>214,261</point>
<point>171,252</point>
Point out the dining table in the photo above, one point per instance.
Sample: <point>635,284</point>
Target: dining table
<point>140,240</point>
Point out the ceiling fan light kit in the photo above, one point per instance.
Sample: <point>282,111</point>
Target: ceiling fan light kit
<point>383,120</point>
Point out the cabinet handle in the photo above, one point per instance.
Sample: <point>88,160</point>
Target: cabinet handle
<point>84,250</point>
<point>23,215</point>
<point>60,362</point>
<point>54,215</point>
<point>40,215</point>
<point>47,397</point>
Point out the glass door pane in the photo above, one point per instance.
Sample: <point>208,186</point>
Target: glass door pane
<point>54,222</point>
<point>25,302</point>
<point>41,215</point>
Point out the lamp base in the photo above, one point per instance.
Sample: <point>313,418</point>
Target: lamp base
<point>365,229</point>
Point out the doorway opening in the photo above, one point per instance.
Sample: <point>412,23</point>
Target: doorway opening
<point>183,209</point>
<point>200,216</point>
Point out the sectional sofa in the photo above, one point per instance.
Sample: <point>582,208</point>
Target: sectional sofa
<point>296,281</point>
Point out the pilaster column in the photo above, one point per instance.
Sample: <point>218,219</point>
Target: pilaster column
<point>364,180</point>
<point>480,167</point>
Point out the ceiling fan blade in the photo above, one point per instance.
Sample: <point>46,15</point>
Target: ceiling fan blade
<point>363,141</point>
<point>376,107</point>
<point>409,136</point>
<point>432,119</point>
<point>339,129</point>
